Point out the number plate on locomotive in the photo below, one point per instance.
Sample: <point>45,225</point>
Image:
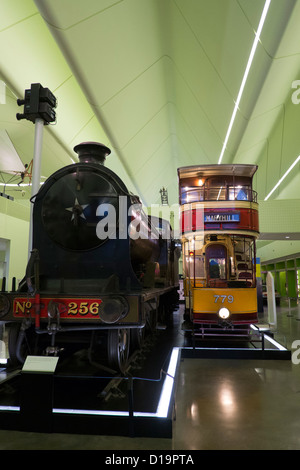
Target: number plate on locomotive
<point>68,307</point>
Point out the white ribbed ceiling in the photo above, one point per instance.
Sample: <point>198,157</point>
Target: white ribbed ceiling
<point>156,81</point>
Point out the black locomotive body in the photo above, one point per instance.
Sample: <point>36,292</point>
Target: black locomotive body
<point>101,272</point>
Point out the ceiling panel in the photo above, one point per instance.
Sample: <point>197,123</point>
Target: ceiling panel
<point>10,161</point>
<point>157,82</point>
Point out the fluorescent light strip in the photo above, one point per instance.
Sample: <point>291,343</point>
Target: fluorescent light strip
<point>283,177</point>
<point>259,328</point>
<point>9,408</point>
<point>257,36</point>
<point>15,185</point>
<point>279,346</point>
<point>268,338</point>
<point>165,397</point>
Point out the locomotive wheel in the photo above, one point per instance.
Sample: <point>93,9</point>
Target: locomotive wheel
<point>118,348</point>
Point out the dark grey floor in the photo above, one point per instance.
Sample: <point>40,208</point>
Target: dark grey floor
<point>220,404</point>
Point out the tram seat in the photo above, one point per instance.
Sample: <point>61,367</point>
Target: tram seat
<point>243,266</point>
<point>218,283</point>
<point>245,275</point>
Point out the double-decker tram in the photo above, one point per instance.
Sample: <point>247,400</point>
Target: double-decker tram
<point>219,224</point>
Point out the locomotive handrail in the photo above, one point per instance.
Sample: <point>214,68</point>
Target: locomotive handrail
<point>218,193</point>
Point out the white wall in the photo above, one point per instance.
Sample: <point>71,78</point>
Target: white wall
<point>14,226</point>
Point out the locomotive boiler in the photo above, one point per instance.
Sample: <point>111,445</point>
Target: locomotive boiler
<point>101,272</point>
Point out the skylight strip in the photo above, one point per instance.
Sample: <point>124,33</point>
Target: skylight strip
<point>247,70</point>
<point>13,185</point>
<point>16,185</point>
<point>283,177</point>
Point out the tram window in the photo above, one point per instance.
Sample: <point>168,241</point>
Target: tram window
<point>199,266</point>
<point>217,268</point>
<point>242,194</point>
<point>239,193</point>
<point>191,194</point>
<point>216,255</point>
<point>195,195</point>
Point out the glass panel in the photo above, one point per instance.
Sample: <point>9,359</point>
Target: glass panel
<point>217,193</point>
<point>199,266</point>
<point>239,193</point>
<point>217,268</point>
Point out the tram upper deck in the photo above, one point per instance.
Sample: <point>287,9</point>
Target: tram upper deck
<point>216,183</point>
<point>218,197</point>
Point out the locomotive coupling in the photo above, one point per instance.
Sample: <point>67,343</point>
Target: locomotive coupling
<point>53,351</point>
<point>53,318</point>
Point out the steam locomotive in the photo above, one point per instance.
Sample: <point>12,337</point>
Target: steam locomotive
<point>101,272</point>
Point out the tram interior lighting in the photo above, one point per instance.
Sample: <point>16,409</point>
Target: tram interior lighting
<point>246,73</point>
<point>283,177</point>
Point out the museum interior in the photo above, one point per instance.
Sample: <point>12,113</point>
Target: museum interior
<point>177,105</point>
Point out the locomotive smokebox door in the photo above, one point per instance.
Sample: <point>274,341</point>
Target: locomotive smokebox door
<point>71,205</point>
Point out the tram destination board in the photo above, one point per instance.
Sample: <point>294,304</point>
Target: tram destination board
<point>222,217</point>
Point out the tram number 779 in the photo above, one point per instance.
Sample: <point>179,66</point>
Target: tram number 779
<point>222,298</point>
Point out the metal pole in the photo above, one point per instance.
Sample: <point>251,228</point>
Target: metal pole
<point>36,171</point>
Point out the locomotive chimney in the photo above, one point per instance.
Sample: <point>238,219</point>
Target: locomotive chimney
<point>92,152</point>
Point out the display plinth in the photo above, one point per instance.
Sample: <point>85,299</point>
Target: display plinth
<point>36,397</point>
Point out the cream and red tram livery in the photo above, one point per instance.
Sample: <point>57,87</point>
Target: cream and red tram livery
<point>219,223</point>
